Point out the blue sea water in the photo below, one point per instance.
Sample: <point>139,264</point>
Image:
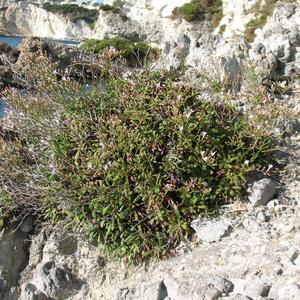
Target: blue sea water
<point>15,41</point>
<point>12,41</point>
<point>2,109</point>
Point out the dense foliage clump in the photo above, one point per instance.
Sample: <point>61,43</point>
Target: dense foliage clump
<point>73,11</point>
<point>130,161</point>
<point>127,48</point>
<point>112,8</point>
<point>201,10</point>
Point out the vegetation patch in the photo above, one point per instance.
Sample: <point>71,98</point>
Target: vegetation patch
<point>74,12</point>
<point>200,10</point>
<point>130,161</point>
<point>127,48</point>
<point>116,9</point>
<point>112,8</point>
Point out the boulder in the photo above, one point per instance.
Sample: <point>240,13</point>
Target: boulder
<point>54,281</point>
<point>261,192</point>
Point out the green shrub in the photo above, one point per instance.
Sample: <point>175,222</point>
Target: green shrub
<point>127,48</point>
<point>73,11</point>
<point>201,10</point>
<point>107,7</point>
<point>189,11</point>
<point>130,161</point>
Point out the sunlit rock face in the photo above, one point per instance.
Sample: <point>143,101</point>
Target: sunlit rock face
<point>277,46</point>
<point>237,14</point>
<point>23,18</point>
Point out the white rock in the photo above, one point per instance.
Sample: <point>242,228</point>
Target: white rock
<point>211,231</point>
<point>289,292</point>
<point>273,203</point>
<point>261,192</point>
<point>276,47</point>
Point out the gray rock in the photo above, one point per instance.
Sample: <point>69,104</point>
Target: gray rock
<point>211,231</point>
<point>54,281</point>
<point>27,225</point>
<point>222,284</point>
<point>292,126</point>
<point>212,293</point>
<point>277,46</point>
<point>13,256</point>
<point>183,248</point>
<point>261,192</point>
<point>126,294</point>
<point>12,294</point>
<point>30,292</point>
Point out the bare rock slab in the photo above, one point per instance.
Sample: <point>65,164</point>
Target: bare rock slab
<point>211,231</point>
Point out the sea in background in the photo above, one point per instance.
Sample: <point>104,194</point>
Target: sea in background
<point>15,41</point>
<point>2,109</point>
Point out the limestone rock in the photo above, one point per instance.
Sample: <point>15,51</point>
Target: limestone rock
<point>211,231</point>
<point>261,192</point>
<point>289,292</point>
<point>54,281</point>
<point>276,46</point>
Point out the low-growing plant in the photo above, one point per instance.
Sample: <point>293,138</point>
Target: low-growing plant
<point>130,161</point>
<point>73,11</point>
<point>201,10</point>
<point>127,48</point>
